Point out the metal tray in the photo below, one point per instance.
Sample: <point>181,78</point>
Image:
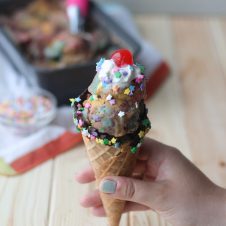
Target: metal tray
<point>72,80</point>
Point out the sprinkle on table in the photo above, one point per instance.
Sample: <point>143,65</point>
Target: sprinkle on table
<point>121,114</point>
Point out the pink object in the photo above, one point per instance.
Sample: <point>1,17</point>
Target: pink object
<point>87,105</point>
<point>112,102</point>
<point>83,5</point>
<point>80,122</point>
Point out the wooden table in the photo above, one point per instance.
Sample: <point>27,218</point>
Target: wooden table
<point>189,112</point>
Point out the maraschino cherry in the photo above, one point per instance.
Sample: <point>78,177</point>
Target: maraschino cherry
<point>122,57</point>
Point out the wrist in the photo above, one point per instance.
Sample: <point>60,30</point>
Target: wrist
<point>219,210</point>
<point>223,200</point>
<point>212,208</point>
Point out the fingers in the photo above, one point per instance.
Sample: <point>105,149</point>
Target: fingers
<point>147,193</point>
<point>91,200</point>
<point>152,148</point>
<point>85,176</point>
<point>140,167</point>
<point>98,211</point>
<point>130,206</point>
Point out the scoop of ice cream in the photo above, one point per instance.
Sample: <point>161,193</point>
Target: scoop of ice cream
<point>112,116</point>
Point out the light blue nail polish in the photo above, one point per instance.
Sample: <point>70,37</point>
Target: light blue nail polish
<point>108,186</point>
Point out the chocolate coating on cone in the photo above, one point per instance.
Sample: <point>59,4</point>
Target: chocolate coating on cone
<point>134,137</point>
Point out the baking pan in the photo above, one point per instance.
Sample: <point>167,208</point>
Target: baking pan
<point>71,80</point>
<point>7,6</point>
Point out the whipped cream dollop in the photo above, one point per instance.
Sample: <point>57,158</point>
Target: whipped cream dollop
<point>110,75</point>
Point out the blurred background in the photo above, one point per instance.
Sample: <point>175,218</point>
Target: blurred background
<point>48,53</point>
<point>178,7</point>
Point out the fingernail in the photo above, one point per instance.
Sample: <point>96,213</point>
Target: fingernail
<point>108,186</point>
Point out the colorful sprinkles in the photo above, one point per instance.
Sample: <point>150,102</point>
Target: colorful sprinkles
<point>127,91</point>
<point>121,114</point>
<point>25,110</point>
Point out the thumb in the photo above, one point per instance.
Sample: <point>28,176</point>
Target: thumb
<point>146,193</point>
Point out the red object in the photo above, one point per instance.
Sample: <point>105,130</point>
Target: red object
<point>48,151</point>
<point>122,57</point>
<point>83,5</point>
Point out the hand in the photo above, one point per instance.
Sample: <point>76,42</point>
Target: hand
<point>171,186</point>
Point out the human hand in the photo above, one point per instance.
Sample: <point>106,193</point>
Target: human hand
<point>171,185</point>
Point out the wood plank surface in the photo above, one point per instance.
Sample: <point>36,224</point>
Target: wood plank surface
<point>189,112</point>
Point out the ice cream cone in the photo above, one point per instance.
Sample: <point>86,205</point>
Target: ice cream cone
<point>112,117</point>
<point>110,161</point>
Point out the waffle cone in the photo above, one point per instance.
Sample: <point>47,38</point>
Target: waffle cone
<point>109,161</point>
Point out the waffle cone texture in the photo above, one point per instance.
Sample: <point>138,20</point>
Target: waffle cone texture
<point>110,161</point>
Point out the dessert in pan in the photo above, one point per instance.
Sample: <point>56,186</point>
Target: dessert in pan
<point>41,30</point>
